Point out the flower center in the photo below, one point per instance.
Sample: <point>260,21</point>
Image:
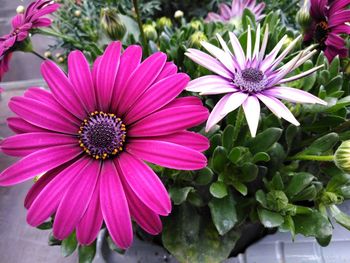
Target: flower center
<point>102,135</point>
<point>321,33</point>
<point>250,80</point>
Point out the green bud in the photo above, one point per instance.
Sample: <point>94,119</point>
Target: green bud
<point>196,39</point>
<point>24,46</point>
<point>342,156</point>
<point>164,22</point>
<point>303,16</point>
<point>112,24</point>
<point>178,14</point>
<point>329,198</point>
<point>150,32</point>
<point>277,200</point>
<point>196,24</point>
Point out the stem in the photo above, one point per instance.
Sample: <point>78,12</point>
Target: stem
<point>139,22</point>
<point>238,124</point>
<point>38,55</point>
<point>320,158</point>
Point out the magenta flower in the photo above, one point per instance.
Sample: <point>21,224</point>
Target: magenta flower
<point>228,13</point>
<point>329,20</point>
<point>4,64</point>
<point>248,77</point>
<point>90,136</point>
<point>23,23</point>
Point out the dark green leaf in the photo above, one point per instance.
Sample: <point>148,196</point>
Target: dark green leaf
<point>270,219</point>
<point>227,141</point>
<point>219,159</point>
<point>69,245</point>
<point>204,176</point>
<point>260,196</point>
<point>341,218</point>
<point>179,195</point>
<point>87,253</point>
<point>53,241</point>
<point>223,213</point>
<point>240,187</point>
<point>45,225</point>
<point>264,140</point>
<point>298,183</point>
<point>112,246</point>
<point>288,225</point>
<point>321,145</point>
<point>261,157</point>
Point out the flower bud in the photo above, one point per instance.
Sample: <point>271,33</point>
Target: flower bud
<point>329,198</point>
<point>303,17</point>
<point>164,22</point>
<point>47,54</point>
<point>150,32</point>
<point>196,24</point>
<point>342,156</point>
<point>178,14</point>
<point>77,13</point>
<point>277,200</point>
<point>20,9</point>
<point>196,39</point>
<point>112,24</point>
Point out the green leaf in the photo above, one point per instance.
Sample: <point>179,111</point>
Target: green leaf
<point>218,189</point>
<point>338,181</point>
<point>307,194</point>
<point>308,82</point>
<point>334,67</point>
<point>87,253</point>
<point>298,183</point>
<point>276,183</point>
<point>53,241</point>
<point>288,225</point>
<point>239,155</point>
<point>204,177</point>
<point>179,195</point>
<point>270,219</point>
<point>260,196</point>
<point>343,102</point>
<point>223,213</point>
<point>69,245</point>
<point>261,157</point>
<point>219,159</point>
<point>313,224</point>
<point>240,187</point>
<point>321,145</point>
<point>227,141</point>
<point>277,200</point>
<point>195,199</point>
<point>264,140</point>
<point>341,218</point>
<point>249,172</point>
<point>45,225</point>
<point>192,238</point>
<point>112,246</point>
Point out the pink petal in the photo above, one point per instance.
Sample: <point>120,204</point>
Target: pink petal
<point>188,139</point>
<point>114,206</point>
<point>18,125</point>
<point>145,217</point>
<point>42,115</point>
<point>251,109</point>
<point>129,61</point>
<point>46,203</point>
<point>226,104</point>
<point>62,88</point>
<point>81,79</point>
<point>76,200</point>
<point>184,101</point>
<point>106,74</point>
<point>17,21</point>
<point>144,183</point>
<point>169,120</point>
<point>339,18</point>
<point>222,56</point>
<point>91,222</point>
<point>141,79</point>
<point>208,62</point>
<point>278,108</point>
<point>37,163</point>
<point>167,154</point>
<point>24,144</point>
<point>169,69</point>
<point>294,95</point>
<point>158,95</point>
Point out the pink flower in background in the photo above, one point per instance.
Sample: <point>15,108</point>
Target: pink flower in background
<point>329,20</point>
<point>4,64</point>
<point>247,77</point>
<point>228,13</point>
<point>23,23</point>
<point>90,135</point>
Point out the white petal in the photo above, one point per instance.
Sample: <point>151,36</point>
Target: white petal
<point>225,58</point>
<point>237,49</point>
<point>251,109</point>
<point>249,44</point>
<point>301,75</point>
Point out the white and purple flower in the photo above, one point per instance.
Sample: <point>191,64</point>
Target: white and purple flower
<point>249,77</point>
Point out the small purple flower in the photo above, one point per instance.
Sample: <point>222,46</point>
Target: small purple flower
<point>247,77</point>
<point>329,20</point>
<point>23,23</point>
<point>228,13</point>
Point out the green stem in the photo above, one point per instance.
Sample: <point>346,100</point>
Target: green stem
<point>139,22</point>
<point>238,124</point>
<point>38,55</point>
<point>320,158</point>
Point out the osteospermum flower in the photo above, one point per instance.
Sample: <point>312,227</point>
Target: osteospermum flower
<point>22,23</point>
<point>90,135</point>
<point>247,77</point>
<point>4,65</point>
<point>235,11</point>
<point>329,20</point>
